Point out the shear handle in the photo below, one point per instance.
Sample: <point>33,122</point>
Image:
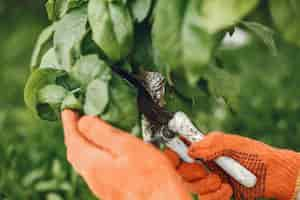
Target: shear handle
<point>183,125</point>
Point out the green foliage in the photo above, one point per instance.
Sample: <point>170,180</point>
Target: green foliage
<point>58,8</point>
<point>88,87</point>
<point>29,148</point>
<point>182,45</point>
<point>33,163</point>
<point>86,83</point>
<point>88,68</point>
<point>140,9</point>
<point>38,81</point>
<point>196,28</point>
<point>96,97</point>
<point>168,17</point>
<point>69,32</point>
<point>217,15</point>
<point>122,110</point>
<point>52,95</point>
<point>71,102</point>
<point>264,33</point>
<point>41,44</point>
<point>269,101</point>
<point>49,60</point>
<point>286,18</point>
<point>223,84</point>
<point>112,27</point>
<point>195,39</point>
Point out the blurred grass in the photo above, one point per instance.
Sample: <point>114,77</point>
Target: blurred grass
<point>33,163</point>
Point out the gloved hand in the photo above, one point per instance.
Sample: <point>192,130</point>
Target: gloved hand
<point>277,170</point>
<point>197,179</point>
<point>116,165</point>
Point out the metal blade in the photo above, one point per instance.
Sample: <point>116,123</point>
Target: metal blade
<point>156,114</point>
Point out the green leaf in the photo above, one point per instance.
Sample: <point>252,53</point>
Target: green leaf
<point>89,67</point>
<point>58,8</point>
<point>97,97</point>
<point>45,186</point>
<point>71,4</point>
<point>67,82</point>
<point>218,14</point>
<point>57,170</point>
<point>32,177</point>
<point>71,102</point>
<point>183,87</point>
<point>69,32</point>
<point>49,60</point>
<point>37,80</point>
<point>52,94</point>
<point>53,196</point>
<point>112,27</point>
<point>197,43</point>
<point>50,7</point>
<point>224,84</point>
<point>122,110</point>
<point>41,46</point>
<point>180,40</point>
<point>167,27</point>
<point>184,31</point>
<point>264,33</point>
<point>140,9</point>
<point>286,17</point>
<point>66,186</point>
<point>50,98</point>
<point>88,46</point>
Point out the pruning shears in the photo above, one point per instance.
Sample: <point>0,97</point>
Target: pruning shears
<point>163,127</point>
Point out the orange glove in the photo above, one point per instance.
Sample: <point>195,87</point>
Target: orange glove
<point>198,180</point>
<point>118,166</point>
<point>277,170</point>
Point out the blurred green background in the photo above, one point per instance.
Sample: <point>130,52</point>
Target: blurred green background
<point>32,153</point>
